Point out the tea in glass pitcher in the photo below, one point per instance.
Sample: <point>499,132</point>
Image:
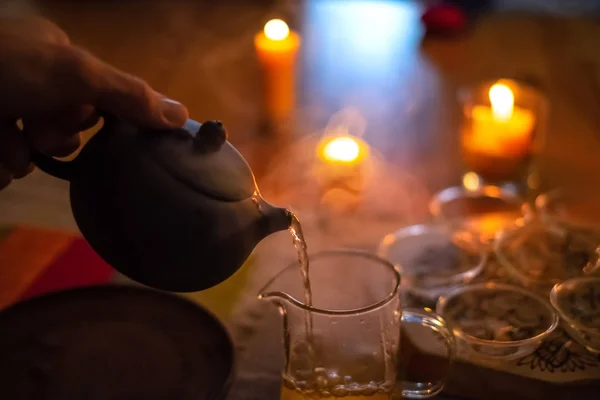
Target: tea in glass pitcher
<point>350,347</point>
<point>292,394</point>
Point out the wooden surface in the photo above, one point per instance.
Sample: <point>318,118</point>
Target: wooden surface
<point>368,57</point>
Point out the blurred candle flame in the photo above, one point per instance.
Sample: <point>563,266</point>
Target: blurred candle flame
<point>471,181</point>
<point>344,148</point>
<point>276,29</point>
<point>503,100</point>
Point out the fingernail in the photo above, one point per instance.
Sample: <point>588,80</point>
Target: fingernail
<point>173,112</point>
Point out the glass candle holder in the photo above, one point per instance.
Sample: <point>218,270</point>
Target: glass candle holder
<point>502,131</point>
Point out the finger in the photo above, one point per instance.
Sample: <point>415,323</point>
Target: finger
<point>59,136</point>
<point>88,118</point>
<point>34,27</point>
<point>54,143</point>
<point>122,94</point>
<point>5,177</point>
<point>14,151</point>
<point>66,147</point>
<point>30,168</point>
<point>66,76</point>
<point>52,139</point>
<point>48,30</point>
<point>72,120</point>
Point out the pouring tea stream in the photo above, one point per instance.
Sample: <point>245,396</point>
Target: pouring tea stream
<point>177,210</point>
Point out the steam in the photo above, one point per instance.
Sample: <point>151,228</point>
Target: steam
<point>390,198</point>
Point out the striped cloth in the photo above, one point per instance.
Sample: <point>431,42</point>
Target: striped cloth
<point>36,260</point>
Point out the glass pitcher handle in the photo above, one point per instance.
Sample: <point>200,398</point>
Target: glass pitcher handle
<point>421,390</point>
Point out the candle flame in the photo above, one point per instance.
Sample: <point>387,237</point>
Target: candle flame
<point>343,148</point>
<point>503,100</point>
<point>276,29</point>
<point>471,181</point>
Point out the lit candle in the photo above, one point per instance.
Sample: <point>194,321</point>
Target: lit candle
<point>342,150</point>
<point>471,181</point>
<point>341,170</point>
<point>276,47</point>
<point>502,130</point>
<point>341,160</point>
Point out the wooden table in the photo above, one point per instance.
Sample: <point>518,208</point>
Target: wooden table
<point>370,57</point>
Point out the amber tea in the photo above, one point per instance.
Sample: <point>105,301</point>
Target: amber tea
<point>350,391</point>
<point>292,394</point>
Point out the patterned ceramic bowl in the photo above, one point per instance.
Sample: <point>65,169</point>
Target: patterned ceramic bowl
<point>539,255</point>
<point>497,321</point>
<point>433,259</point>
<point>577,205</point>
<point>578,303</point>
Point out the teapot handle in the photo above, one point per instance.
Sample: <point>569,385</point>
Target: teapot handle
<point>64,169</point>
<point>58,169</point>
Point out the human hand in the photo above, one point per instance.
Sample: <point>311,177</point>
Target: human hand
<point>54,88</point>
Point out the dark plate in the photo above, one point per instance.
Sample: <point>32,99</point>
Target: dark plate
<point>113,342</point>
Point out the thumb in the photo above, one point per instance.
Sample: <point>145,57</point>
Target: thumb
<point>124,95</point>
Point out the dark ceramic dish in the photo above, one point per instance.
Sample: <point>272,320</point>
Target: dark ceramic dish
<point>113,342</point>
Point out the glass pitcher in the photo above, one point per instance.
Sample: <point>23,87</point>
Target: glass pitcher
<point>346,343</point>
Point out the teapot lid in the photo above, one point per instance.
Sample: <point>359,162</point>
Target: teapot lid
<point>199,156</point>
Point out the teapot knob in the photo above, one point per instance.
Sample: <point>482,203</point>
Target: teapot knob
<point>210,136</point>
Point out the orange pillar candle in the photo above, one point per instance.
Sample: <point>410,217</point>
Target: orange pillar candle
<point>502,129</point>
<point>276,47</point>
<point>498,138</point>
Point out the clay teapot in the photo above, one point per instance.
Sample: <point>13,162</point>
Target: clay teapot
<point>176,210</point>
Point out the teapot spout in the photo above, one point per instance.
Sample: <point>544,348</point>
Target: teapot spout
<point>277,218</point>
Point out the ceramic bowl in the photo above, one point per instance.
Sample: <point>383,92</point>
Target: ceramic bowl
<point>577,206</point>
<point>485,210</point>
<point>577,301</point>
<point>432,259</point>
<point>497,321</point>
<point>113,342</point>
<point>539,255</point>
